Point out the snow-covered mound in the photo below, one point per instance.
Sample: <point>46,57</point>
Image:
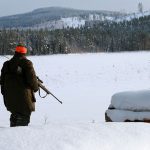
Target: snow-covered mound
<point>132,100</point>
<point>129,106</point>
<point>81,136</point>
<point>124,115</point>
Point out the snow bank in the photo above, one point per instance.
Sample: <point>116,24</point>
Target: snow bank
<point>132,100</point>
<point>79,136</point>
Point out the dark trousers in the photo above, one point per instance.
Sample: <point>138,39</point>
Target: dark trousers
<point>17,119</point>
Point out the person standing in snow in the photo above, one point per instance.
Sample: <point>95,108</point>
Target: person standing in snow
<point>18,84</point>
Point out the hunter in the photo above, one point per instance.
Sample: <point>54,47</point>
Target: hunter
<point>18,84</point>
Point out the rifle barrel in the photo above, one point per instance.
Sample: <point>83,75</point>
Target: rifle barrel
<point>47,91</point>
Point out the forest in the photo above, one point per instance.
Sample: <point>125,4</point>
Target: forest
<point>97,36</point>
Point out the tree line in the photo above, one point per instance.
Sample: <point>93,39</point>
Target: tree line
<point>93,37</point>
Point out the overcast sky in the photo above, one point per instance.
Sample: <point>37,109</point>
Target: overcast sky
<point>10,7</point>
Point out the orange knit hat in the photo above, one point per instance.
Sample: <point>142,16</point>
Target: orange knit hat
<point>21,49</point>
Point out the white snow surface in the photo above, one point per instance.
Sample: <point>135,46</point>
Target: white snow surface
<point>85,84</point>
<point>81,136</point>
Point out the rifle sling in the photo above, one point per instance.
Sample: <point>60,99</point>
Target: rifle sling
<point>40,94</point>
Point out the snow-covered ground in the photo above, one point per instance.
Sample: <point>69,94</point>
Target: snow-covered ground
<point>73,22</point>
<point>81,136</point>
<point>85,84</point>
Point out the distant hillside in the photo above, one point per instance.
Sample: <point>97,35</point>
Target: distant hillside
<point>48,15</point>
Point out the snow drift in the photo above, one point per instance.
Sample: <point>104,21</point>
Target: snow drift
<point>77,136</point>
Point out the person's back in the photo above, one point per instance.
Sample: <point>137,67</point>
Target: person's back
<point>18,84</point>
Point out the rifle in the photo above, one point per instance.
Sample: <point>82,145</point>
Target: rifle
<point>46,90</point>
<point>43,88</point>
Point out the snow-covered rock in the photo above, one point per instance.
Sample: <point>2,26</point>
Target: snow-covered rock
<point>125,115</point>
<point>129,106</point>
<point>132,100</point>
